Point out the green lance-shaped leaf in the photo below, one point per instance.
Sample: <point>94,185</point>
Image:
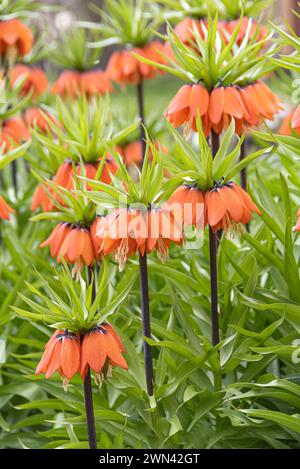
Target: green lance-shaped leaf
<point>291,267</point>
<point>13,154</point>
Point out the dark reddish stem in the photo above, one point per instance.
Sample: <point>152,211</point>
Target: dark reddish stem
<point>88,391</point>
<point>243,171</point>
<point>213,249</point>
<point>146,323</point>
<point>213,243</point>
<point>215,143</point>
<point>14,173</point>
<point>146,326</point>
<point>89,411</point>
<point>91,279</point>
<point>140,98</point>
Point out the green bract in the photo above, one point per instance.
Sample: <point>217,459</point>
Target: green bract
<point>10,101</point>
<point>67,305</point>
<point>10,9</point>
<point>198,166</point>
<point>125,190</point>
<point>70,51</point>
<point>228,9</point>
<point>155,125</point>
<point>177,10</point>
<point>234,8</point>
<point>8,156</point>
<point>82,131</point>
<point>289,37</point>
<point>70,207</point>
<point>217,61</point>
<point>10,104</point>
<point>126,22</point>
<point>243,392</point>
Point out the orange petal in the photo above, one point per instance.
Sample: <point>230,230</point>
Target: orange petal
<point>59,239</point>
<point>216,208</point>
<point>246,198</point>
<point>179,196</point>
<point>55,360</point>
<point>216,105</point>
<point>88,251</point>
<point>199,100</point>
<point>295,120</point>
<point>70,356</point>
<point>130,63</point>
<point>113,351</point>
<point>178,118</point>
<point>43,364</point>
<point>5,209</point>
<point>252,110</point>
<point>116,336</point>
<point>153,229</point>
<point>233,202</point>
<point>181,100</point>
<point>75,244</point>
<point>194,207</point>
<point>52,236</point>
<point>265,104</point>
<point>233,104</point>
<point>93,351</point>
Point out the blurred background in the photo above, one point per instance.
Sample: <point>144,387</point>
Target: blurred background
<point>74,9</point>
<point>164,87</point>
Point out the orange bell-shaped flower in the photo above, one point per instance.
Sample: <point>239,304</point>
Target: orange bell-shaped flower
<point>62,354</point>
<point>34,79</point>
<point>14,131</point>
<point>15,38</point>
<point>228,206</point>
<point>100,347</point>
<point>5,209</point>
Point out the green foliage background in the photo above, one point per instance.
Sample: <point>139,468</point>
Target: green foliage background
<point>256,403</point>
